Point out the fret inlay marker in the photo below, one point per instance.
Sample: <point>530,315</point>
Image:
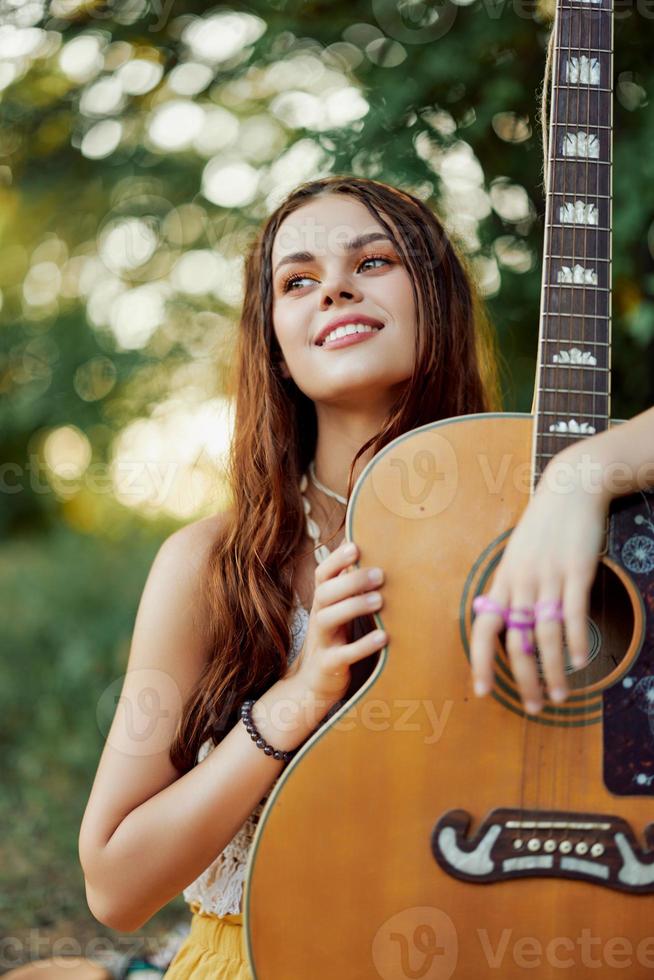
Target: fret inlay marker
<point>572,426</point>
<point>579,213</point>
<point>581,144</point>
<point>582,70</point>
<point>578,274</point>
<point>574,356</point>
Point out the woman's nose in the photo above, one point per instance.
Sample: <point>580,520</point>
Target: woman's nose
<point>337,287</point>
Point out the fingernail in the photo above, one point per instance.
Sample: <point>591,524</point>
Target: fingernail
<point>481,688</point>
<point>579,661</point>
<point>533,707</point>
<point>558,694</point>
<point>350,550</point>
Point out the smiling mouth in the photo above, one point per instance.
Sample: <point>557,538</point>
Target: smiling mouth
<point>355,334</point>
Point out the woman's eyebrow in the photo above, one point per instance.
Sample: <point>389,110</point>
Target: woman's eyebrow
<point>352,246</point>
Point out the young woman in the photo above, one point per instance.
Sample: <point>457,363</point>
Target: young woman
<point>243,605</point>
<point>251,604</point>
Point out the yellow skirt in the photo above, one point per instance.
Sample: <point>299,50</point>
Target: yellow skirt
<point>213,950</point>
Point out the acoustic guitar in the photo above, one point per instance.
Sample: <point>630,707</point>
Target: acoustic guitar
<point>422,832</point>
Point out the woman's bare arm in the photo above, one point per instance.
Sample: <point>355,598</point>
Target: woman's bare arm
<point>148,831</point>
<point>166,842</point>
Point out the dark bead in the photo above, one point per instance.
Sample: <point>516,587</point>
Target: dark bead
<point>268,750</point>
<point>254,736</point>
<point>261,742</point>
<point>278,755</point>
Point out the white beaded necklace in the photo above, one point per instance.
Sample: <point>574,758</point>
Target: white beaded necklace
<point>321,550</point>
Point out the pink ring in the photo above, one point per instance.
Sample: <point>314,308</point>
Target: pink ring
<point>549,609</point>
<point>484,604</point>
<point>525,622</point>
<point>523,611</point>
<point>524,627</point>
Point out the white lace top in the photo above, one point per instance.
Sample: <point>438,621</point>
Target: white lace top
<point>219,889</point>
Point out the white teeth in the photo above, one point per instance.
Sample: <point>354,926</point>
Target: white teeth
<point>347,329</point>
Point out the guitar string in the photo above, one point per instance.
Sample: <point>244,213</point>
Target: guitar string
<point>599,48</point>
<point>531,730</point>
<point>549,140</point>
<point>609,268</point>
<point>547,737</point>
<point>566,13</point>
<point>595,350</point>
<point>579,188</point>
<point>586,285</point>
<point>605,29</point>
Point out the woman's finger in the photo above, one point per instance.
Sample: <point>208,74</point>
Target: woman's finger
<point>486,627</point>
<point>549,638</point>
<point>350,653</point>
<point>339,560</point>
<point>576,602</point>
<point>347,583</point>
<point>330,618</point>
<point>518,641</point>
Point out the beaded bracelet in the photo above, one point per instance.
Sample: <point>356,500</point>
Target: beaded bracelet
<point>257,737</point>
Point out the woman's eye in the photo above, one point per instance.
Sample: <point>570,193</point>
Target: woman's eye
<point>298,278</point>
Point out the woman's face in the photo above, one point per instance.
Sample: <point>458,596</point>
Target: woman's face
<point>332,281</point>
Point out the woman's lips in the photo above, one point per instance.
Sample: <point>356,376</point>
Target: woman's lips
<point>353,338</point>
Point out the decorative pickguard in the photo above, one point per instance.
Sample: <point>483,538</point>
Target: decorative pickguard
<point>628,710</point>
<point>511,843</point>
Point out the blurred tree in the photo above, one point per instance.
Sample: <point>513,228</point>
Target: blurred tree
<point>144,142</point>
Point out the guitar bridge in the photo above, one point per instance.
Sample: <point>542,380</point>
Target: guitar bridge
<point>523,844</point>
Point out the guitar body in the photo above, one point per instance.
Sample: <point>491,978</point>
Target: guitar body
<point>388,846</point>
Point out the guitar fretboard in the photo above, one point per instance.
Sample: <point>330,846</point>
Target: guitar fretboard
<point>573,374</point>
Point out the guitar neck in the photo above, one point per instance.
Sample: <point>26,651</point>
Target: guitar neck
<point>573,373</point>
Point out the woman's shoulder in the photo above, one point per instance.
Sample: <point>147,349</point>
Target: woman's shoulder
<point>189,546</point>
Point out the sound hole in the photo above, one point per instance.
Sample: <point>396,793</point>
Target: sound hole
<point>610,628</point>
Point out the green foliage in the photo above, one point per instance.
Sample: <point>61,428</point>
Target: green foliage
<point>67,603</point>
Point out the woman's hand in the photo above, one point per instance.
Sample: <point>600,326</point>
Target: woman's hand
<point>323,665</point>
<point>552,554</point>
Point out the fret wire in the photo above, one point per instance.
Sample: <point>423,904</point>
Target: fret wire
<point>565,435</point>
<point>594,88</point>
<point>574,122</point>
<point>578,225</point>
<point>576,285</point>
<point>576,367</point>
<point>575,258</point>
<point>605,163</point>
<point>577,51</point>
<point>581,316</point>
<point>600,197</point>
<point>577,391</point>
<point>579,341</point>
<point>571,411</point>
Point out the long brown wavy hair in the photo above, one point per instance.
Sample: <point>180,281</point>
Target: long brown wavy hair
<point>250,573</point>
